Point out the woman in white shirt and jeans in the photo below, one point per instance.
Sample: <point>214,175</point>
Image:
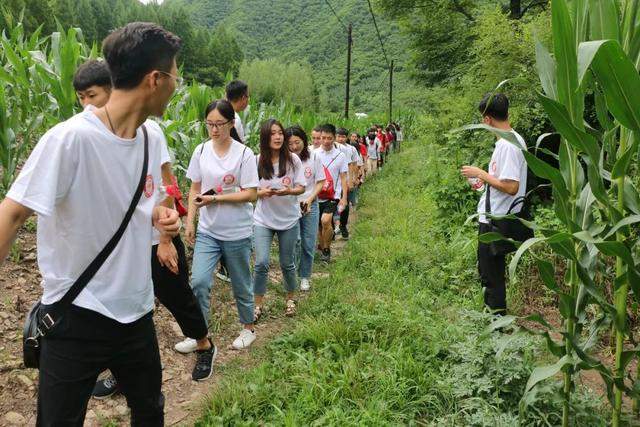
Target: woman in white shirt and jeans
<point>224,179</point>
<point>310,220</point>
<point>277,212</point>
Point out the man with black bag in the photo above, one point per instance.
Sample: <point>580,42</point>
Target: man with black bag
<point>93,181</point>
<point>505,185</point>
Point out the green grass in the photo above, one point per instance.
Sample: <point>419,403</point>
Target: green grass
<point>391,336</point>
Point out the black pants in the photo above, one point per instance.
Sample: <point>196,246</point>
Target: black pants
<point>173,291</point>
<point>344,217</point>
<point>492,275</point>
<point>83,344</point>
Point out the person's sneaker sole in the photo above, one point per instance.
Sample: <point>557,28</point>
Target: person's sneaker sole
<point>104,397</point>
<point>213,359</point>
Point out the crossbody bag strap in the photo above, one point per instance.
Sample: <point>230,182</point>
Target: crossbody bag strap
<point>95,265</point>
<point>487,202</point>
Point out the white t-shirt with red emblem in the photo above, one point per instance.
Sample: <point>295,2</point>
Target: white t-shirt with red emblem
<point>280,212</point>
<point>313,173</point>
<point>80,179</point>
<point>230,173</point>
<point>507,163</point>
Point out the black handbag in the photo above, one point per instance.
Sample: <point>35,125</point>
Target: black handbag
<point>39,323</point>
<point>509,228</point>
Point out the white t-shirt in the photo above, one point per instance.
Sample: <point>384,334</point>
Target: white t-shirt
<point>236,169</point>
<point>80,179</point>
<point>399,136</point>
<point>336,162</point>
<point>359,161</point>
<point>239,128</point>
<point>373,148</point>
<point>280,212</point>
<point>507,162</point>
<point>313,173</point>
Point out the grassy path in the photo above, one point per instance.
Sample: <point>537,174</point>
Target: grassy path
<point>388,336</point>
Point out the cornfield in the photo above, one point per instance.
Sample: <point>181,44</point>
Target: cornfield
<point>595,58</point>
<point>36,92</point>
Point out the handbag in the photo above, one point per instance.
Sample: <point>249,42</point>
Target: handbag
<point>328,191</point>
<point>38,323</point>
<point>509,228</point>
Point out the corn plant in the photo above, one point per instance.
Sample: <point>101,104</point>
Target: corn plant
<point>595,49</point>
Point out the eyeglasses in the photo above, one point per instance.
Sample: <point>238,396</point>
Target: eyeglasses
<point>212,125</point>
<point>179,80</point>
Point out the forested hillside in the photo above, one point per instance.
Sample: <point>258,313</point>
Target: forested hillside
<point>306,30</point>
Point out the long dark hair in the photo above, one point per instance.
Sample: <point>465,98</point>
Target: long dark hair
<point>265,167</point>
<point>226,110</point>
<point>296,130</point>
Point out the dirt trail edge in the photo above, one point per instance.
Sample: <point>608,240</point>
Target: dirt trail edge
<point>20,289</point>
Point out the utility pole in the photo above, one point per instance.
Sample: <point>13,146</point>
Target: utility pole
<point>349,44</point>
<point>391,91</point>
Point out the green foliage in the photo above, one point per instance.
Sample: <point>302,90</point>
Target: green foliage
<point>299,31</point>
<point>388,338</point>
<point>271,80</point>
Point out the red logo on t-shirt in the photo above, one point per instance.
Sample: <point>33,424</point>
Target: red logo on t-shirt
<point>229,179</point>
<point>149,186</point>
<point>308,172</point>
<point>286,181</point>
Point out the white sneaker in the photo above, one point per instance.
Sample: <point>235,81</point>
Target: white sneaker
<point>188,345</point>
<point>244,340</point>
<point>305,285</point>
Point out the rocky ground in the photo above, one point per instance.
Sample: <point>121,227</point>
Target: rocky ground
<point>20,289</point>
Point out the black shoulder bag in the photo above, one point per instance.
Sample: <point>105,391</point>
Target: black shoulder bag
<point>508,228</point>
<point>37,324</point>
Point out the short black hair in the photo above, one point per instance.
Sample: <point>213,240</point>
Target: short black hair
<point>236,89</point>
<point>342,131</point>
<point>137,49</point>
<point>92,73</point>
<point>318,128</point>
<point>495,105</point>
<point>328,128</point>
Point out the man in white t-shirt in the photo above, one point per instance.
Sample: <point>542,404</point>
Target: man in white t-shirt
<point>507,179</point>
<point>237,93</point>
<point>80,179</point>
<point>352,156</point>
<point>316,137</point>
<point>332,198</point>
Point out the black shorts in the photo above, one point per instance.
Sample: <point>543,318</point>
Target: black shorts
<point>328,207</point>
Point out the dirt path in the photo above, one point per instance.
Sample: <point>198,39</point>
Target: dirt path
<point>20,288</point>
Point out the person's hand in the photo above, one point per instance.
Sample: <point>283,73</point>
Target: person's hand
<point>168,256</point>
<point>266,192</point>
<point>166,221</point>
<point>304,207</point>
<point>342,206</point>
<point>190,234</point>
<point>472,172</point>
<point>201,201</point>
<point>284,191</point>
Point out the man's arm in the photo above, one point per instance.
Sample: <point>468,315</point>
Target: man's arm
<point>345,189</point>
<point>508,186</point>
<point>12,216</point>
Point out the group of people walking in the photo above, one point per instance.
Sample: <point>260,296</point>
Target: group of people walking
<point>78,180</point>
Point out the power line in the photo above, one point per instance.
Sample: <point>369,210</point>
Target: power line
<point>375,24</point>
<point>335,14</point>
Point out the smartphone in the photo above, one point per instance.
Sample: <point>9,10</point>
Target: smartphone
<point>211,192</point>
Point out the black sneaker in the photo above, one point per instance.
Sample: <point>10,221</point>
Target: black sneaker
<point>105,388</point>
<point>204,363</point>
<point>345,233</point>
<point>326,255</point>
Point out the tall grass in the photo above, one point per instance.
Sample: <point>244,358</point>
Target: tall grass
<point>390,337</point>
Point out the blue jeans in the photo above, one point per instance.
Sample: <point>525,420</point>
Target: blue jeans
<point>306,245</point>
<point>286,247</point>
<point>236,253</point>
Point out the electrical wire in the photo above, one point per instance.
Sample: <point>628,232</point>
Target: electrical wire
<point>375,24</point>
<point>335,14</point>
